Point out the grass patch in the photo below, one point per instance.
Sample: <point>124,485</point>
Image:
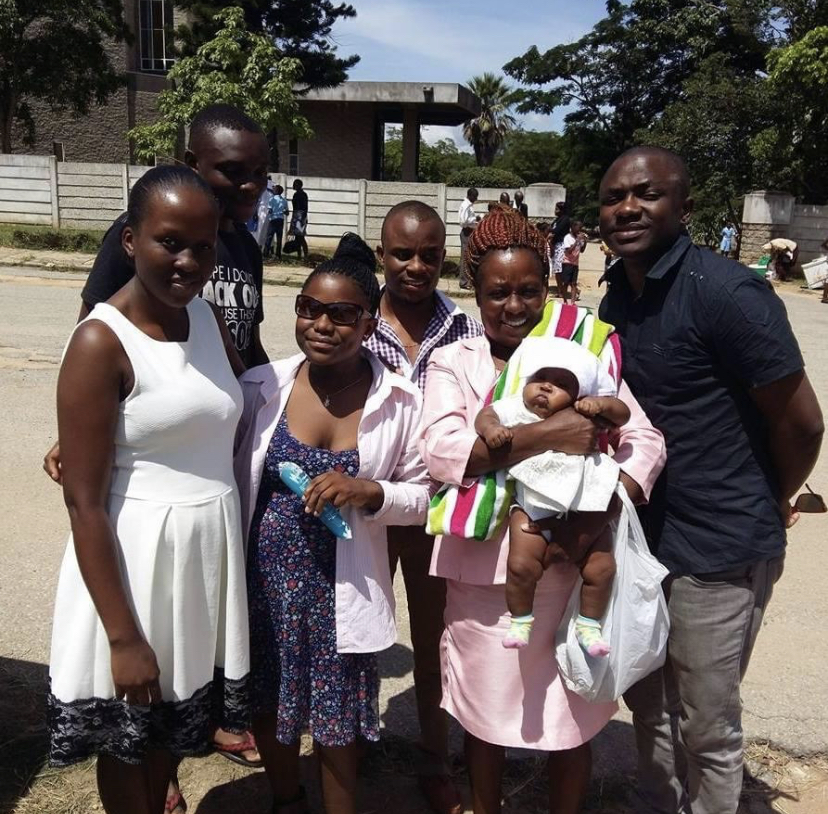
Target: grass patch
<point>20,236</point>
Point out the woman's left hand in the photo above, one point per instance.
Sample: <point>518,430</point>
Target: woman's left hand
<point>342,490</point>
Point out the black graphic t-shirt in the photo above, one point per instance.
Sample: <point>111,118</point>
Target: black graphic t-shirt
<point>235,286</point>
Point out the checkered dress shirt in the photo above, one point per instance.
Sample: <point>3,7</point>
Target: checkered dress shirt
<point>447,325</point>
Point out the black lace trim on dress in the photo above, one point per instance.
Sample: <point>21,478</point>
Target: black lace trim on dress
<point>90,726</point>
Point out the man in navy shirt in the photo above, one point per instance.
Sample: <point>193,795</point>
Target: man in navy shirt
<point>710,355</point>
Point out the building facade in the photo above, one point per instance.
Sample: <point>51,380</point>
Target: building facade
<point>348,121</point>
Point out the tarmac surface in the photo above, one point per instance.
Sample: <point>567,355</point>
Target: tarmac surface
<point>785,691</point>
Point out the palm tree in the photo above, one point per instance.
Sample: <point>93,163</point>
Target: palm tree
<point>487,132</point>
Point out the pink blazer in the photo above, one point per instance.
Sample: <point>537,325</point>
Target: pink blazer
<point>459,379</point>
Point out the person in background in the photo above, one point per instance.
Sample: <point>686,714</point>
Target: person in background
<point>258,224</point>
<point>468,219</point>
<point>783,256</point>
<point>278,210</point>
<point>728,240</point>
<point>545,230</point>
<point>560,229</point>
<point>415,319</point>
<point>322,607</point>
<point>573,244</point>
<point>505,199</point>
<point>520,207</point>
<point>299,222</point>
<point>710,354</point>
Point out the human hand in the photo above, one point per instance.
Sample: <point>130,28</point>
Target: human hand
<point>497,436</point>
<point>589,407</point>
<point>51,463</point>
<point>135,672</point>
<point>568,431</point>
<point>790,515</point>
<point>341,490</point>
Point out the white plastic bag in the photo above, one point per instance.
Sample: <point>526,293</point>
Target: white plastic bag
<point>636,624</point>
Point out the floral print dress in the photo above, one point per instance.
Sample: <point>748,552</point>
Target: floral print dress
<point>296,670</point>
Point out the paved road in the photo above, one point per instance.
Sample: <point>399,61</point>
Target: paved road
<point>786,692</point>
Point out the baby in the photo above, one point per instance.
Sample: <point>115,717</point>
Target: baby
<point>554,483</point>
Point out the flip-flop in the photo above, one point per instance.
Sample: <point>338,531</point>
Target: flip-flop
<point>232,751</point>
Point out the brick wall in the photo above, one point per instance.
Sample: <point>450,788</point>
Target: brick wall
<point>342,146</point>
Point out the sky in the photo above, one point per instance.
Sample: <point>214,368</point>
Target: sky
<point>453,40</point>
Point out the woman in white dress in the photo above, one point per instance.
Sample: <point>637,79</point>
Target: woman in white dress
<point>150,637</point>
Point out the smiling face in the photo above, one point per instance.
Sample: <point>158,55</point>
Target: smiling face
<point>174,246</point>
<point>412,254</point>
<point>549,391</point>
<point>644,205</point>
<point>234,164</point>
<point>323,342</point>
<point>511,291</point>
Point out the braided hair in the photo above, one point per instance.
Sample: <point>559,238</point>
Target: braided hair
<point>502,229</point>
<point>354,259</point>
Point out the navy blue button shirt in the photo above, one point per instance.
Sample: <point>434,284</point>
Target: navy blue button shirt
<point>703,333</point>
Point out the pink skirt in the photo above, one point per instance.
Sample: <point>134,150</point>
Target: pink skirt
<point>513,697</point>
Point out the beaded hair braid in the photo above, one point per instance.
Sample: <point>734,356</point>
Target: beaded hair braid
<point>502,229</point>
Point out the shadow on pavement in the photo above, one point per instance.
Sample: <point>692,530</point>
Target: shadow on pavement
<point>24,740</point>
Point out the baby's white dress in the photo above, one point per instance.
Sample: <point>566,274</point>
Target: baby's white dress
<point>554,483</point>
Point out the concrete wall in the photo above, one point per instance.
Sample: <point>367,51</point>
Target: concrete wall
<point>767,215</point>
<point>39,189</point>
<point>42,190</point>
<point>27,189</point>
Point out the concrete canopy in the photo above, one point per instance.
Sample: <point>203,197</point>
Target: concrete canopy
<point>411,104</point>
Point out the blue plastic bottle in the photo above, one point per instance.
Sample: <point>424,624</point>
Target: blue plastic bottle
<point>297,480</point>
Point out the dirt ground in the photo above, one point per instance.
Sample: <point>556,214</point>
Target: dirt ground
<point>785,693</point>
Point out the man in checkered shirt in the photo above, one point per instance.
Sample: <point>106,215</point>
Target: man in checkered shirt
<point>414,319</point>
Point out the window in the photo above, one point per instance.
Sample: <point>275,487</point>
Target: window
<point>156,24</point>
<point>293,157</point>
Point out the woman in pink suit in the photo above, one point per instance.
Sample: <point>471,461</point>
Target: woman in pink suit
<point>515,697</point>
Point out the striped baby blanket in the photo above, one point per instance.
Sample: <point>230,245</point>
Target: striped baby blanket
<point>477,511</point>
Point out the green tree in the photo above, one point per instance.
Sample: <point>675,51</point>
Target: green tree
<point>535,156</point>
<point>790,151</point>
<point>620,78</point>
<point>299,28</point>
<point>53,51</point>
<point>487,131</point>
<point>236,67</point>
<point>710,127</point>
<point>437,161</point>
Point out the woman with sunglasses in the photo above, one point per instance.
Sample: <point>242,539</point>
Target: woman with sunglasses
<point>321,607</point>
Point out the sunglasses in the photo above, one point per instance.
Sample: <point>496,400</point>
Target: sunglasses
<point>340,313</point>
<point>810,502</point>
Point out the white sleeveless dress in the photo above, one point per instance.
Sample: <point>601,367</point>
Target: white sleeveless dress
<point>174,509</point>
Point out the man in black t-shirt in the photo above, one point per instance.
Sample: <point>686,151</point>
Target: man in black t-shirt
<point>229,150</point>
<point>710,355</point>
<point>299,221</point>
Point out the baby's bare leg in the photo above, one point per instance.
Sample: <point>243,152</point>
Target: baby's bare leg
<point>524,566</point>
<point>524,569</point>
<point>598,573</point>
